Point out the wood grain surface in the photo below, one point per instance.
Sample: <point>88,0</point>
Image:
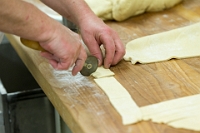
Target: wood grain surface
<point>84,106</point>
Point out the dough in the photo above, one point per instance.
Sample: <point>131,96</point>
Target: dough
<point>120,99</point>
<point>191,123</point>
<point>102,72</point>
<point>118,96</point>
<point>122,9</point>
<point>178,43</point>
<point>102,8</point>
<point>162,110</point>
<point>178,113</point>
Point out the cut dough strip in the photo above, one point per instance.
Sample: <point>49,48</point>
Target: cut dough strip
<point>102,72</point>
<point>168,105</point>
<point>177,113</point>
<point>120,99</point>
<point>191,123</point>
<point>179,43</point>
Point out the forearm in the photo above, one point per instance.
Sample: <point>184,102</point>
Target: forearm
<point>25,20</point>
<point>74,10</point>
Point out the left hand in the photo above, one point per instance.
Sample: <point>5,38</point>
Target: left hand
<point>95,33</point>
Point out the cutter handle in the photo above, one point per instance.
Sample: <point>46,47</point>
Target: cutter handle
<point>32,44</point>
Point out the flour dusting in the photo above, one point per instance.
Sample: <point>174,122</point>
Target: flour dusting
<point>63,78</point>
<point>76,89</point>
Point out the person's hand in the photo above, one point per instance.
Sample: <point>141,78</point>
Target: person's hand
<point>64,50</point>
<point>95,33</point>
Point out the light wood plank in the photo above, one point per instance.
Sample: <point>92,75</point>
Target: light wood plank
<point>86,108</point>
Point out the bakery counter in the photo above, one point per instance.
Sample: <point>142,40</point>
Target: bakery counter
<point>85,108</point>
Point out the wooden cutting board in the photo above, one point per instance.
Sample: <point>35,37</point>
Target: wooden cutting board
<point>84,106</point>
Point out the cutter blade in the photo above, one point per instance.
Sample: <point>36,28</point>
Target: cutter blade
<point>90,66</point>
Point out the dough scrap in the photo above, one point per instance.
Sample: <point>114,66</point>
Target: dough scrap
<point>120,99</point>
<point>102,72</point>
<point>177,43</point>
<point>122,9</point>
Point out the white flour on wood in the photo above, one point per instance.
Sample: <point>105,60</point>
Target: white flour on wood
<point>63,78</point>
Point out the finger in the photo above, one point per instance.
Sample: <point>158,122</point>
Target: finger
<point>119,51</point>
<point>79,62</point>
<point>54,64</point>
<point>94,49</point>
<point>49,56</point>
<point>109,46</point>
<point>51,59</point>
<point>64,64</point>
<point>77,67</point>
<point>59,64</point>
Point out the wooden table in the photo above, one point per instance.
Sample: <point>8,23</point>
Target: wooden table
<point>84,106</point>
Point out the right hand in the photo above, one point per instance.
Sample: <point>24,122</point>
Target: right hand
<point>64,49</point>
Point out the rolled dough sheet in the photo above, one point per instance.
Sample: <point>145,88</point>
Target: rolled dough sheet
<point>120,99</point>
<point>179,43</point>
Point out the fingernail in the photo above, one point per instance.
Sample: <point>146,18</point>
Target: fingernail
<point>108,66</point>
<point>99,62</point>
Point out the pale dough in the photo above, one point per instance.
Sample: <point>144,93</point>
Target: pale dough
<point>178,43</point>
<point>178,113</point>
<point>122,9</point>
<point>191,123</point>
<point>120,99</point>
<point>102,8</point>
<point>102,72</point>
